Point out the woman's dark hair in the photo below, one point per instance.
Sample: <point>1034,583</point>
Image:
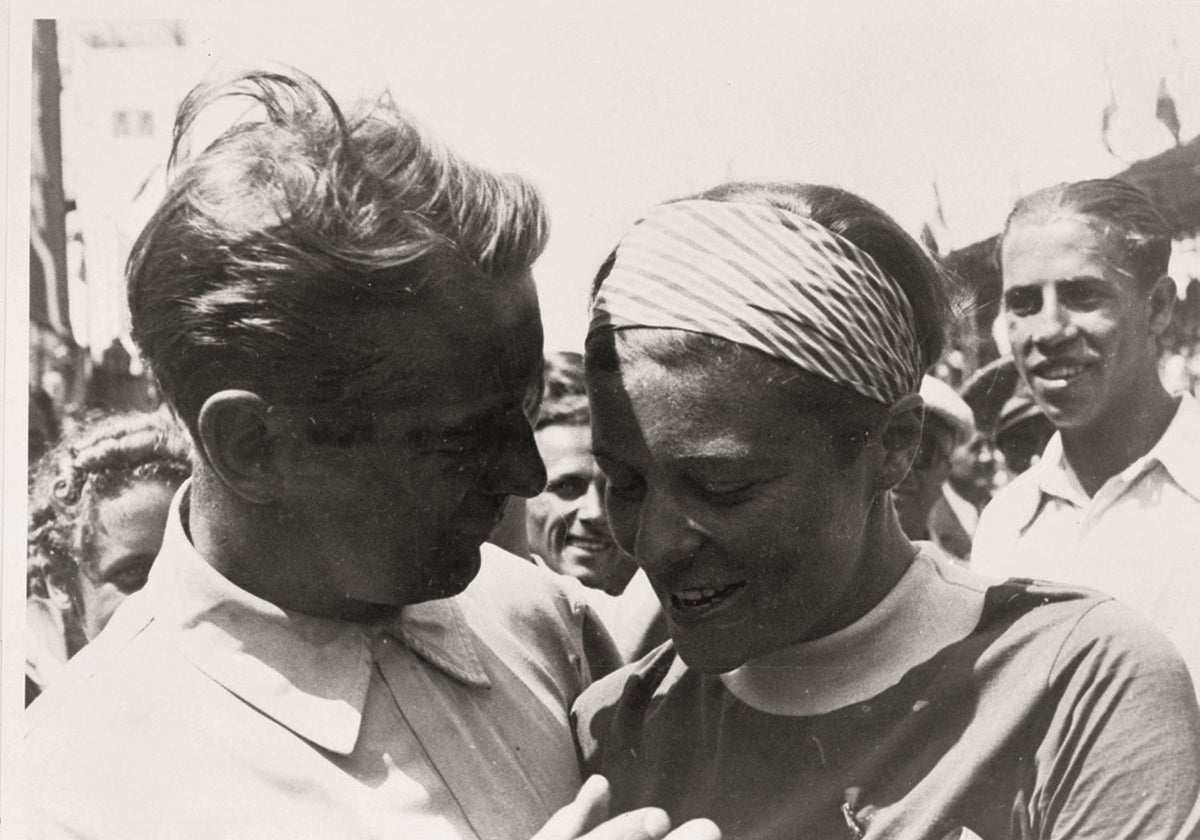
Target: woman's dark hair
<point>850,416</point>
<point>101,457</point>
<point>1120,212</point>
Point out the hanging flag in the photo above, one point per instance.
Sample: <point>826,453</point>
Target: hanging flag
<point>929,240</point>
<point>937,205</point>
<point>48,298</point>
<point>1109,111</point>
<point>1164,110</point>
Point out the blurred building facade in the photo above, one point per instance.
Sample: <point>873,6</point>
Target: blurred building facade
<point>105,96</point>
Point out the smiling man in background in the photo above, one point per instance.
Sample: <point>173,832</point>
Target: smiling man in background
<point>1114,502</point>
<point>567,524</point>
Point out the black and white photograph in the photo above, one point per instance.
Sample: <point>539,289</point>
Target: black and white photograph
<point>601,421</point>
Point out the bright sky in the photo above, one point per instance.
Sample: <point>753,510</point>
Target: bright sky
<point>610,107</point>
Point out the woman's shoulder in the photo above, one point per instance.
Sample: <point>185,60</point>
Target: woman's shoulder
<point>1066,626</point>
<point>624,698</point>
<point>1042,602</point>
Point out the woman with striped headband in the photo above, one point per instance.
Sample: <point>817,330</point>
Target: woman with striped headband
<point>753,361</point>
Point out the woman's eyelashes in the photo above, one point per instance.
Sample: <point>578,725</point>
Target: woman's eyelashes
<point>717,492</point>
<point>625,488</point>
<point>723,491</point>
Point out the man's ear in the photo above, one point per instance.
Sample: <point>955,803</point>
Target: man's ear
<point>241,437</point>
<point>900,439</point>
<point>1162,304</point>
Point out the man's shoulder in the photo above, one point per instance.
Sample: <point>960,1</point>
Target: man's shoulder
<point>129,696</point>
<point>625,697</point>
<point>546,614</point>
<point>510,585</point>
<point>82,686</point>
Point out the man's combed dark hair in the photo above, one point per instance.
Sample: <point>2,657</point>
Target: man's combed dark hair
<point>564,393</point>
<point>1124,214</point>
<point>273,243</point>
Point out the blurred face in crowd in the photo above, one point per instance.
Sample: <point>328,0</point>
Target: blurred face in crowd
<point>1078,321</point>
<point>973,469</point>
<point>399,517</point>
<point>121,539</point>
<point>1022,443</point>
<point>915,496</point>
<point>749,524</point>
<point>566,524</point>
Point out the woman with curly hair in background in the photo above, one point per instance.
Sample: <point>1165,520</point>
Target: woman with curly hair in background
<point>98,504</point>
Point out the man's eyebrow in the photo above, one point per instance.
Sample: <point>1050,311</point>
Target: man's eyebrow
<point>1030,289</point>
<point>482,416</point>
<point>1085,280</point>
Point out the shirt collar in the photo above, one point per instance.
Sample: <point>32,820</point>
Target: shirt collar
<point>308,673</point>
<point>1025,494</point>
<point>1178,450</point>
<point>1054,475</point>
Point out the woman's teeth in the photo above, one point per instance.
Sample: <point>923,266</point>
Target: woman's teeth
<point>693,598</point>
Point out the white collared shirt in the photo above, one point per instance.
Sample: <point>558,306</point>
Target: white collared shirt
<point>1137,538</point>
<point>205,712</point>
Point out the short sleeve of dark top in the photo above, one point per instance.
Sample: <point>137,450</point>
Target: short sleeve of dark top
<point>1063,715</point>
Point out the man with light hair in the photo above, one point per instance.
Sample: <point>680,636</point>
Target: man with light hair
<point>342,313</point>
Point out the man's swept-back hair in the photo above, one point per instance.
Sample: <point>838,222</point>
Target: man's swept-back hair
<point>1124,214</point>
<point>272,244</point>
<point>564,400</point>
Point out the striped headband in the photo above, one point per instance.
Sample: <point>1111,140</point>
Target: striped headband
<point>769,279</point>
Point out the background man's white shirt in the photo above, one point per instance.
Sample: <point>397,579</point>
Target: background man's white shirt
<point>1137,539</point>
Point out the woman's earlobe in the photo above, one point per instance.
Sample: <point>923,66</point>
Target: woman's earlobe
<point>900,438</point>
<point>1162,304</point>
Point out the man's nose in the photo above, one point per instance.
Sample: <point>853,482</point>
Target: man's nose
<point>591,504</point>
<point>1053,322</point>
<point>666,535</point>
<point>515,468</point>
